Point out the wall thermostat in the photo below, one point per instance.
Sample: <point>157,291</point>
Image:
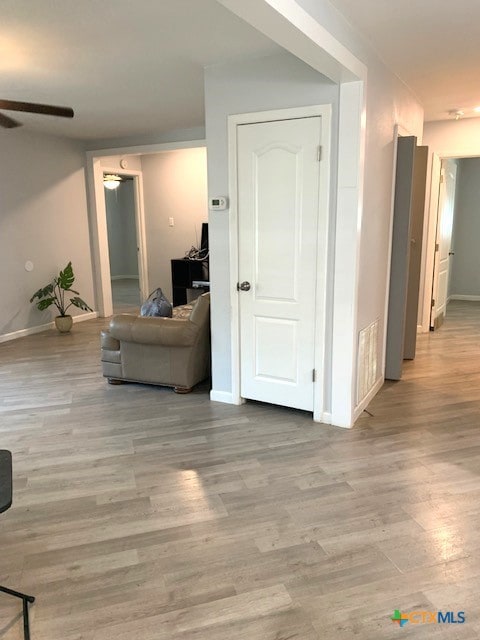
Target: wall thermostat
<point>218,203</point>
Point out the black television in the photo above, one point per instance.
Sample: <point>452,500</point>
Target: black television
<point>204,240</point>
<point>204,251</point>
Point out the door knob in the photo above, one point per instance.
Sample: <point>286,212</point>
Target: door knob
<point>244,286</point>
<point>451,253</point>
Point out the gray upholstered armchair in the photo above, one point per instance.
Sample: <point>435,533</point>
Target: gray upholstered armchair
<point>174,352</point>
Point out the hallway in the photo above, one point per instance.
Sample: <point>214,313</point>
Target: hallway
<point>442,383</point>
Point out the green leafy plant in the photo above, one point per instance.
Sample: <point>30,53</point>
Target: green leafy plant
<point>55,293</point>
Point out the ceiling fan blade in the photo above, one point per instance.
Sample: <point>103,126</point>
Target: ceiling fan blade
<point>8,123</point>
<point>33,107</point>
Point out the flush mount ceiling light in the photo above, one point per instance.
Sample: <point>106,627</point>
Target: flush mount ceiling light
<point>111,181</point>
<point>456,113</point>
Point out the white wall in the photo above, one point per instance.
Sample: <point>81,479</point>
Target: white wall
<point>43,218</point>
<point>113,162</point>
<point>465,269</point>
<point>122,234</point>
<point>273,82</point>
<point>175,185</point>
<point>453,138</point>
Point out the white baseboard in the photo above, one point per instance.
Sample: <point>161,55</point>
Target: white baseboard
<point>324,418</point>
<point>6,337</point>
<point>462,297</point>
<point>423,329</point>
<point>21,333</point>
<point>368,398</point>
<point>91,315</point>
<point>124,278</point>
<point>223,396</point>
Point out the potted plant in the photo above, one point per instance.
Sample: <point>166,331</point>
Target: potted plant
<point>55,293</point>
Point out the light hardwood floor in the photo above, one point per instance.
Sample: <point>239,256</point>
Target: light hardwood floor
<point>141,514</point>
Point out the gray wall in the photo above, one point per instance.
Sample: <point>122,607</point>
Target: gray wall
<point>43,218</point>
<point>274,82</point>
<point>122,234</point>
<point>465,269</point>
<point>175,185</point>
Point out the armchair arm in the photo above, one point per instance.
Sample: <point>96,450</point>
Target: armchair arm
<point>169,332</point>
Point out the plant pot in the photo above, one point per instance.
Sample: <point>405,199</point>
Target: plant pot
<point>63,323</point>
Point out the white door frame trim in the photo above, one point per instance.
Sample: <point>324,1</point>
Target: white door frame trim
<point>429,256</point>
<point>98,215</point>
<point>324,111</point>
<point>103,275</point>
<point>139,222</point>
<point>435,263</point>
<point>430,232</point>
<point>349,212</point>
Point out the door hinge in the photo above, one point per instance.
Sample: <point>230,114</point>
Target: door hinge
<point>442,177</point>
<point>433,303</point>
<point>314,375</point>
<point>319,152</point>
<point>437,247</point>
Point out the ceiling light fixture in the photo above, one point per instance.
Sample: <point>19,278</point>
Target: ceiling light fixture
<point>111,181</point>
<point>477,109</point>
<point>456,113</point>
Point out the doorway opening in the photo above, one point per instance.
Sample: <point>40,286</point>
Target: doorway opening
<point>170,197</point>
<point>122,242</point>
<point>443,253</point>
<point>456,275</point>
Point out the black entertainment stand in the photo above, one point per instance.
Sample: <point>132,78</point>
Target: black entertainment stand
<point>188,274</point>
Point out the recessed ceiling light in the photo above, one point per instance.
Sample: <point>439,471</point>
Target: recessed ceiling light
<point>477,109</point>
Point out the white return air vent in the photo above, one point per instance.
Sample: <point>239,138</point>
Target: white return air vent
<point>367,360</point>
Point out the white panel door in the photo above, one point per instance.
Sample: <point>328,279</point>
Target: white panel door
<point>446,206</point>
<point>278,201</point>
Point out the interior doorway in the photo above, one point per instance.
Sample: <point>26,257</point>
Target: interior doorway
<point>452,271</point>
<point>169,217</point>
<point>277,310</point>
<point>281,230</point>
<point>441,288</point>
<point>122,242</point>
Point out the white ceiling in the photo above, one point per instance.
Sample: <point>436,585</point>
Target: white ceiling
<point>432,45</point>
<point>127,67</point>
<point>135,67</point>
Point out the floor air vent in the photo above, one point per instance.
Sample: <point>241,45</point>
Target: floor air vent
<point>367,360</point>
